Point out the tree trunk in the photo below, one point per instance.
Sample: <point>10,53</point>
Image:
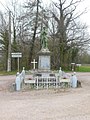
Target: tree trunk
<point>34,34</point>
<point>9,46</point>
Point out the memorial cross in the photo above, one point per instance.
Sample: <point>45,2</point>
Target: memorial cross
<point>33,62</point>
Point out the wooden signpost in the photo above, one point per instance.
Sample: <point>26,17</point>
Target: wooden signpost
<point>17,55</point>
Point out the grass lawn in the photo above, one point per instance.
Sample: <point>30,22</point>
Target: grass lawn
<point>8,73</point>
<point>83,69</point>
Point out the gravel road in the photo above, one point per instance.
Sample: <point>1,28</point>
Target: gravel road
<point>71,104</point>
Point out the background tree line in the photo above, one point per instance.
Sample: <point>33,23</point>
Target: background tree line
<point>68,38</point>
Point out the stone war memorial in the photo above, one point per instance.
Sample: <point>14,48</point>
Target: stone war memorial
<point>44,77</point>
<point>44,64</point>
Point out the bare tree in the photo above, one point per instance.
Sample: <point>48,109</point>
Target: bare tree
<point>69,34</point>
<point>4,39</point>
<point>31,25</point>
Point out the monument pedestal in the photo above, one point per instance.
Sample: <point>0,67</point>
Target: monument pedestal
<point>44,60</point>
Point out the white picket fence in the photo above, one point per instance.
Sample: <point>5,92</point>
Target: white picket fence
<point>45,82</point>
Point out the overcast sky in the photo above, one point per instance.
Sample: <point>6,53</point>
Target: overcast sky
<point>86,4</point>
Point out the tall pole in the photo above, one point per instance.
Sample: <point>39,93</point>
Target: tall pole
<point>9,46</point>
<point>18,64</point>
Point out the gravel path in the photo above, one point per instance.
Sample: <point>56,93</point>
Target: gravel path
<point>71,104</point>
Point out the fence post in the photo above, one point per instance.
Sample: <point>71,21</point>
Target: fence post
<point>56,81</point>
<point>47,78</point>
<point>23,73</point>
<point>18,83</point>
<point>37,82</point>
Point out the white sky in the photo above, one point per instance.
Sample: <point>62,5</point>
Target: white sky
<point>86,4</point>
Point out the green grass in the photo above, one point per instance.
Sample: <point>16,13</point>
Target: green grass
<point>8,73</point>
<point>83,69</point>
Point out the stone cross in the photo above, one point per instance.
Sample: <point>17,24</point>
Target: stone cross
<point>34,62</point>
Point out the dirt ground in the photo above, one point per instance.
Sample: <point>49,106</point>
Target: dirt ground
<point>52,104</point>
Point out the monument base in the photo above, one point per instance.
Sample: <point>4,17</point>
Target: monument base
<point>44,63</point>
<point>44,60</point>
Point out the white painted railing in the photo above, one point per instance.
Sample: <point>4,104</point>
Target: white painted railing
<point>50,81</point>
<point>45,82</point>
